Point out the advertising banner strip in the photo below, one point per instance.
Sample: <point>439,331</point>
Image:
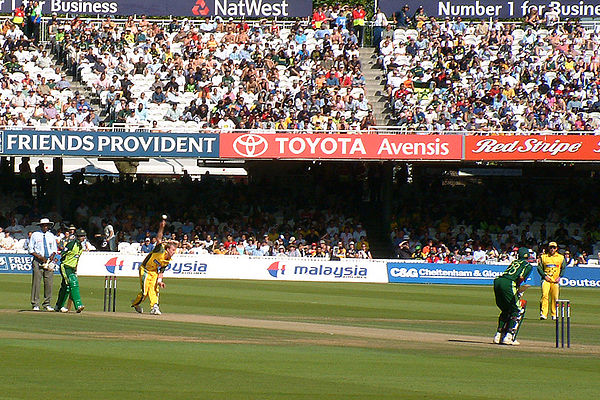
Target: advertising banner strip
<point>109,144</point>
<point>287,146</point>
<point>298,269</point>
<point>239,267</point>
<point>341,146</point>
<point>479,274</point>
<point>14,263</point>
<point>530,148</point>
<point>187,8</point>
<point>486,9</point>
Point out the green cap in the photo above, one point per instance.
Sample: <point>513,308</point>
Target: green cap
<point>523,253</point>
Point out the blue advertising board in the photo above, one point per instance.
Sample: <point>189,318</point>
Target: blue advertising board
<point>504,9</point>
<point>107,144</point>
<point>14,263</point>
<point>190,8</point>
<point>479,274</point>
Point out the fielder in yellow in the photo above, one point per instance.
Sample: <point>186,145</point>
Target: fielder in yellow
<point>152,269</point>
<point>551,267</point>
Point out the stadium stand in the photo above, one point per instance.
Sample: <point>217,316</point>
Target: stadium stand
<point>442,220</point>
<point>441,76</point>
<point>492,77</point>
<point>258,219</point>
<point>429,216</point>
<point>217,75</point>
<point>34,92</point>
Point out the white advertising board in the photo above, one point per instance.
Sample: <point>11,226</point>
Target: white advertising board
<point>239,267</point>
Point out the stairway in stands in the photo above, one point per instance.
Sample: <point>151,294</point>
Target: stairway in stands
<point>375,86</point>
<point>78,86</point>
<point>373,215</point>
<point>377,229</point>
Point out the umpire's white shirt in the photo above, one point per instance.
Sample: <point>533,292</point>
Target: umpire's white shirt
<point>36,243</point>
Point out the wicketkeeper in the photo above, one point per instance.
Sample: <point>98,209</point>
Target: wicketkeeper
<point>551,268</point>
<point>506,289</point>
<point>69,287</point>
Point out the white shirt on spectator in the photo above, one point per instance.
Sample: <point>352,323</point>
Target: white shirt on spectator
<point>226,124</point>
<point>479,256</point>
<point>16,230</point>
<point>7,242</point>
<point>358,233</point>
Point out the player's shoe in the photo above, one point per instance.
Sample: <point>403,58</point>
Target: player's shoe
<point>49,308</point>
<point>35,308</point>
<point>543,317</point>
<point>497,337</point>
<point>138,308</point>
<point>80,308</point>
<point>64,310</point>
<point>155,310</point>
<point>508,339</point>
<point>554,318</point>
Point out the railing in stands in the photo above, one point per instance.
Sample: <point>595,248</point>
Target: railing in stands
<point>163,23</point>
<point>590,24</point>
<point>379,130</point>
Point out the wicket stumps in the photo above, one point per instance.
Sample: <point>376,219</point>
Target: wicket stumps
<point>110,293</point>
<point>563,311</point>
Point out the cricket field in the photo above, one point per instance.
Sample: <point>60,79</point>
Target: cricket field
<point>259,340</point>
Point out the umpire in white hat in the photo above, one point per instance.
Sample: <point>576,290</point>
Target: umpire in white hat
<point>43,248</point>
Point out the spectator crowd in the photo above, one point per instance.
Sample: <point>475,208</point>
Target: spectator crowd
<point>208,216</point>
<point>537,75</point>
<point>33,91</point>
<point>219,74</point>
<point>440,224</point>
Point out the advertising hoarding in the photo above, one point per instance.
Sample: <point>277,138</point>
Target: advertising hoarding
<point>239,267</point>
<point>530,148</point>
<point>503,9</point>
<point>109,144</point>
<point>182,8</point>
<point>341,146</point>
<point>300,269</point>
<point>480,274</point>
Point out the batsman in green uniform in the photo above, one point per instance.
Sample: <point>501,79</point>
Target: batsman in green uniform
<point>69,288</point>
<point>506,289</point>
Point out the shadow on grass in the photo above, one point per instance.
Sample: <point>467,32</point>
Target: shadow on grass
<point>468,341</point>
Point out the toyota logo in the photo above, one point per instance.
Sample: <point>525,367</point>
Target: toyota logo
<point>250,145</point>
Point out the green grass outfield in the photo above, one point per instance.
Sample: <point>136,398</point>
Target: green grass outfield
<point>292,340</point>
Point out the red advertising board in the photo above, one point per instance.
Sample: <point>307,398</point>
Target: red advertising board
<point>340,146</point>
<point>527,148</point>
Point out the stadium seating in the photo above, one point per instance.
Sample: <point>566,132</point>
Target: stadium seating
<point>221,76</point>
<point>34,93</point>
<point>492,77</point>
<point>202,225</point>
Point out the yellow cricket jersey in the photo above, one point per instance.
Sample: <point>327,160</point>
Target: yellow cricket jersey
<point>156,261</point>
<point>552,265</point>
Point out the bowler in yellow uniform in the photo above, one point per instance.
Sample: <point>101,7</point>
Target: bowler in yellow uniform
<point>550,268</point>
<point>151,272</point>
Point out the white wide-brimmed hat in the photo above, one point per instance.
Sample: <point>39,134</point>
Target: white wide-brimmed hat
<point>45,221</point>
